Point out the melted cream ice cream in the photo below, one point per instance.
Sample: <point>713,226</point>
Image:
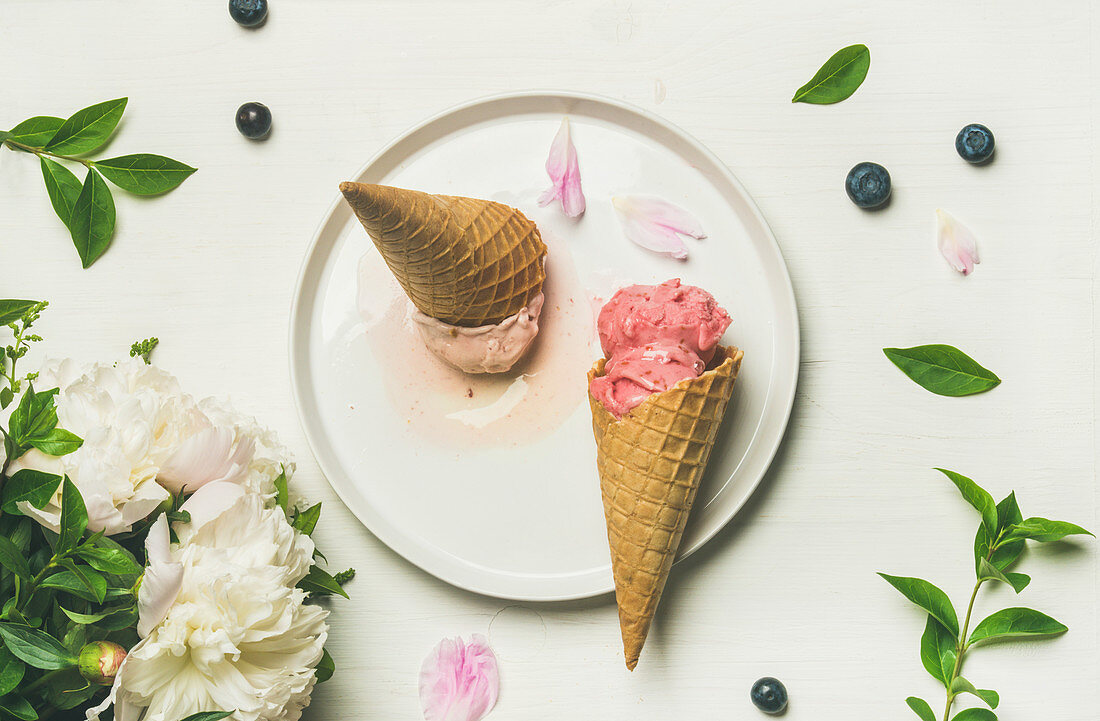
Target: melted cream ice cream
<point>654,336</point>
<point>484,349</point>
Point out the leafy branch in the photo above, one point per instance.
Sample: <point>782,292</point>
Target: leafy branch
<point>87,209</point>
<point>999,542</point>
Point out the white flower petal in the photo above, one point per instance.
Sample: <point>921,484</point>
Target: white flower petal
<point>162,580</point>
<point>656,224</point>
<point>212,454</point>
<point>957,244</point>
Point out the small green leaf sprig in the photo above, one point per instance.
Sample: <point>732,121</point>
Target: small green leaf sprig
<point>18,316</point>
<point>87,209</point>
<point>144,349</point>
<point>998,544</point>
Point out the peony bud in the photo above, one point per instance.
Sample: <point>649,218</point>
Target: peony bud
<point>100,661</point>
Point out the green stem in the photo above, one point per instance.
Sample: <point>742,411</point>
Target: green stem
<point>41,151</point>
<point>960,649</point>
<point>961,645</point>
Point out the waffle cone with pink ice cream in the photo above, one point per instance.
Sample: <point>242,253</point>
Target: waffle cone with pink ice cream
<point>472,268</point>
<point>657,399</point>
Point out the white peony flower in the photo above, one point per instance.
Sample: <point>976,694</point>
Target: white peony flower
<point>236,634</point>
<point>144,440</point>
<point>269,457</point>
<point>226,517</point>
<point>132,418</point>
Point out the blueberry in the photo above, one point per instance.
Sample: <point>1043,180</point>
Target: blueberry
<point>769,695</point>
<point>974,143</point>
<point>248,13</point>
<point>254,120</point>
<point>868,185</point>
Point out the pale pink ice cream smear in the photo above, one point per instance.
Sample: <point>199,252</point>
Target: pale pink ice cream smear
<point>654,336</point>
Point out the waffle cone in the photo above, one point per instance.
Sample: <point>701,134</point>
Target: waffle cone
<point>650,463</point>
<point>465,261</point>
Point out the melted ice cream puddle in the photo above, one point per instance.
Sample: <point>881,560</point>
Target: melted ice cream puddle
<point>459,409</point>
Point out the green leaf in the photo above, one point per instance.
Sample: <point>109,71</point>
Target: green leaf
<point>11,671</point>
<point>961,685</point>
<point>12,310</point>
<point>975,714</point>
<point>86,576</point>
<point>991,697</point>
<point>306,521</point>
<point>143,173</point>
<point>34,487</point>
<point>57,442</point>
<point>320,583</point>
<point>1044,530</point>
<point>209,716</point>
<point>36,648</point>
<point>62,186</point>
<point>988,572</point>
<point>18,707</point>
<point>942,369</point>
<point>116,561</point>
<point>36,131</point>
<point>938,651</point>
<point>976,496</point>
<point>69,690</point>
<point>87,585</point>
<point>12,559</point>
<point>1008,513</point>
<point>84,618</point>
<point>178,516</point>
<point>325,667</point>
<point>126,618</point>
<point>74,517</point>
<point>838,78</point>
<point>921,708</point>
<point>87,129</point>
<point>928,597</point>
<point>1015,623</point>
<point>93,220</point>
<point>281,492</point>
<point>34,417</point>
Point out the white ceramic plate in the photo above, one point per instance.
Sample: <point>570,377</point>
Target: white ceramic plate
<point>490,483</point>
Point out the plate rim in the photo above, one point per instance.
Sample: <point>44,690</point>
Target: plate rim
<point>296,308</point>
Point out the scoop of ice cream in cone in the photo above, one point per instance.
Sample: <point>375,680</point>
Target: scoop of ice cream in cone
<point>472,268</point>
<point>657,403</point>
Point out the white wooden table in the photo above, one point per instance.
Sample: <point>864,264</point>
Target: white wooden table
<point>789,588</point>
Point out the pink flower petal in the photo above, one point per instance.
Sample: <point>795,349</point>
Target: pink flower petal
<point>565,174</point>
<point>459,681</point>
<point>656,224</point>
<point>957,243</point>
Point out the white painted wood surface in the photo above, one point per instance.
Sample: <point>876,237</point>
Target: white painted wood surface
<point>789,588</point>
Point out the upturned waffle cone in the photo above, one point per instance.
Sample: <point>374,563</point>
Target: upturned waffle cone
<point>465,261</point>
<point>650,462</point>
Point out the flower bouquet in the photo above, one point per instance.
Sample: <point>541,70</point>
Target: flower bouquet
<point>150,557</point>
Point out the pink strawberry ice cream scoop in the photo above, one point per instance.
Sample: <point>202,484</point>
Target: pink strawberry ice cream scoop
<point>653,337</point>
